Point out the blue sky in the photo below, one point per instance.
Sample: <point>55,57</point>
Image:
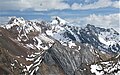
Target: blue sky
<point>71,10</point>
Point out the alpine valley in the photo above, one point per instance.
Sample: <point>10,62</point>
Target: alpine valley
<point>58,48</point>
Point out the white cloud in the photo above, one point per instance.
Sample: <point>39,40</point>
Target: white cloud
<point>38,5</point>
<point>48,4</point>
<point>14,5</point>
<point>116,4</point>
<point>107,21</point>
<point>44,5</point>
<point>95,5</point>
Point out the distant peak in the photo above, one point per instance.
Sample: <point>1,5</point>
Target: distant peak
<point>89,25</point>
<point>58,20</point>
<point>14,20</point>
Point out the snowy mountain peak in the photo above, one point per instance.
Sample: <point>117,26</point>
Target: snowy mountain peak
<point>58,20</point>
<point>16,21</point>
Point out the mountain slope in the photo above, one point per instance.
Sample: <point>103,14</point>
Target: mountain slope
<point>57,48</point>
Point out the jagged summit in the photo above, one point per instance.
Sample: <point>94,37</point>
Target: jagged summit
<point>15,20</point>
<point>58,20</point>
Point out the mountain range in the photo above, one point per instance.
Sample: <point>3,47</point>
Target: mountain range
<point>58,48</point>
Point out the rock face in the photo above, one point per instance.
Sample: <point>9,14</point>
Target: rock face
<point>32,48</point>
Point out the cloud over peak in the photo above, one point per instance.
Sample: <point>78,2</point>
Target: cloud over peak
<point>107,21</point>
